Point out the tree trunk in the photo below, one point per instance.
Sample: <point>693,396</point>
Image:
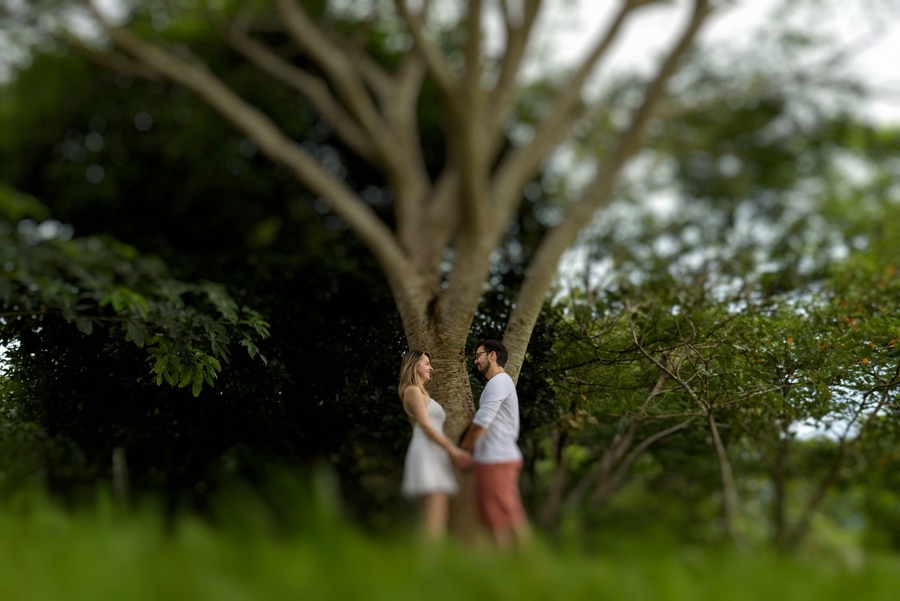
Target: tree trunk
<point>549,514</point>
<point>779,506</point>
<point>729,490</point>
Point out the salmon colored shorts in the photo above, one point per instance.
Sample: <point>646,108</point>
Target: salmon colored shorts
<point>499,502</point>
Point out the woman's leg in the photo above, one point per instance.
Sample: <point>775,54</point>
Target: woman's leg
<point>435,513</point>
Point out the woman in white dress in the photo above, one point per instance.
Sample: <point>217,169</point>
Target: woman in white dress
<point>427,471</point>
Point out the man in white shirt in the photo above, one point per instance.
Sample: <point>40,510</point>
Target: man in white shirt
<point>496,457</point>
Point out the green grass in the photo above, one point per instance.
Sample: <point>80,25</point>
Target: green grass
<point>101,552</point>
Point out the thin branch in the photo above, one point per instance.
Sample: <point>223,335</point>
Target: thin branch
<point>674,375</point>
<point>369,69</point>
<point>112,60</point>
<point>819,495</point>
<point>730,503</point>
<point>618,478</point>
<point>610,458</point>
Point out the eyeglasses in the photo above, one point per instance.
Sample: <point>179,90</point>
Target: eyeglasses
<point>481,353</point>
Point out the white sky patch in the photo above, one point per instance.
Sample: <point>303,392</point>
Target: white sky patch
<point>577,270</point>
<point>873,42</point>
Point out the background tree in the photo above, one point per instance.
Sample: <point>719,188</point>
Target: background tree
<point>763,325</point>
<point>96,394</point>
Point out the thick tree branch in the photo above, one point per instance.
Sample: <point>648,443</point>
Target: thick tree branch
<point>441,217</point>
<point>519,166</point>
<point>314,89</point>
<point>413,184</point>
<point>278,147</point>
<point>549,512</point>
<point>392,134</point>
<point>557,240</point>
<point>335,61</point>
<point>459,300</point>
<point>503,96</point>
<point>438,68</point>
<point>469,111</point>
<point>474,67</point>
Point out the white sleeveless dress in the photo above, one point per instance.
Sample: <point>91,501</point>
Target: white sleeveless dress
<point>427,468</point>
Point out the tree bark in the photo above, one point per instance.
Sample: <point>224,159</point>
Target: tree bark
<point>730,503</point>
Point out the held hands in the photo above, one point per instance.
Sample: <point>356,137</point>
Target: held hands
<point>461,458</point>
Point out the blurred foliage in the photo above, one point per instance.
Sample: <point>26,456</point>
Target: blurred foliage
<point>101,552</point>
<point>784,326</point>
<point>111,156</point>
<point>186,328</point>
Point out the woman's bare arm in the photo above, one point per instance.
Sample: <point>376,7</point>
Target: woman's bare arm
<point>416,402</point>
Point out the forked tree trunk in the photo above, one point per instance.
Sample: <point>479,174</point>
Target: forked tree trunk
<point>449,385</point>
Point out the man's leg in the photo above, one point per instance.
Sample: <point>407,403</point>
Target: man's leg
<point>522,533</point>
<point>518,530</point>
<point>500,503</point>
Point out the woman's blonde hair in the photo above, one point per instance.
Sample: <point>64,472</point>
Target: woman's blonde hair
<point>408,374</point>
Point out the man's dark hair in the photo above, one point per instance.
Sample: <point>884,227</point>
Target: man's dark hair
<point>497,347</point>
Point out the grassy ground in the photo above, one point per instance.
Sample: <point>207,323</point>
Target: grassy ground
<point>101,552</point>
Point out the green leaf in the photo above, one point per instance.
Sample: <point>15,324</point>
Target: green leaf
<point>135,332</point>
<point>84,324</point>
<point>161,364</point>
<point>251,348</point>
<point>15,206</point>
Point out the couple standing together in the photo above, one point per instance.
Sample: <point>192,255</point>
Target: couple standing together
<point>488,447</point>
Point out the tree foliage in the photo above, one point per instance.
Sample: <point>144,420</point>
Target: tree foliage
<point>741,372</point>
<point>187,328</point>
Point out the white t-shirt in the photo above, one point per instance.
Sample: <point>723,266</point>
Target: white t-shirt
<point>498,413</point>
